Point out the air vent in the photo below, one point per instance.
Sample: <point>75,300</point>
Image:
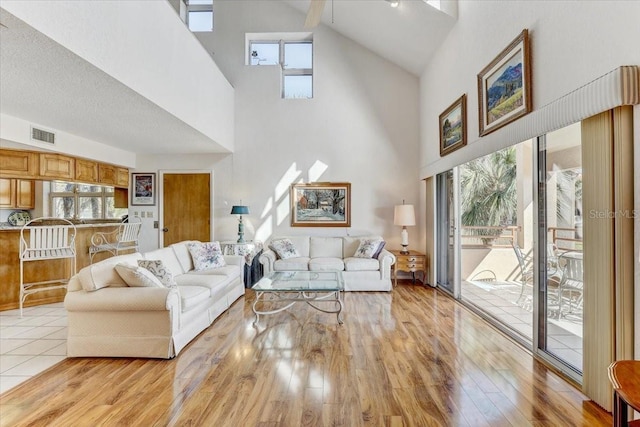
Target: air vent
<point>43,135</point>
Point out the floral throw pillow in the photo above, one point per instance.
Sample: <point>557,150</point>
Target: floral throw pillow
<point>367,248</point>
<point>284,248</point>
<point>206,255</point>
<point>159,270</point>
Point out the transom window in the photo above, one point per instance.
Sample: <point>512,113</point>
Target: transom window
<point>82,201</point>
<point>200,15</point>
<point>296,60</point>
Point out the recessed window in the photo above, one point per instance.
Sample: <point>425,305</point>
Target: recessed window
<point>200,15</point>
<point>295,58</point>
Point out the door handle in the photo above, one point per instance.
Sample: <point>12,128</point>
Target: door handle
<point>165,229</point>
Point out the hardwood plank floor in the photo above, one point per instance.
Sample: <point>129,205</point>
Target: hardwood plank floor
<point>413,357</point>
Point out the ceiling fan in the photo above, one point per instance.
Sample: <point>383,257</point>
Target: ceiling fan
<point>316,7</point>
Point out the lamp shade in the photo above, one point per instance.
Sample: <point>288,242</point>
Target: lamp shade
<point>240,210</point>
<point>404,215</point>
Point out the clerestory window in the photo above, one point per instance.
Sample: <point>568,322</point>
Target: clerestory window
<point>295,58</point>
<point>199,15</point>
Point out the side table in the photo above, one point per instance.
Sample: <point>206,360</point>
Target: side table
<point>250,251</point>
<point>625,379</point>
<point>411,262</point>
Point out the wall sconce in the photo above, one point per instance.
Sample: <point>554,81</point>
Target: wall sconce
<point>404,215</point>
<point>240,210</point>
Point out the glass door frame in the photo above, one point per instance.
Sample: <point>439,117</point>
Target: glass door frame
<point>453,258</point>
<point>540,261</point>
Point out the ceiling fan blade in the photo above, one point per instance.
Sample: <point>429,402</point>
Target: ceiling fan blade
<point>314,14</point>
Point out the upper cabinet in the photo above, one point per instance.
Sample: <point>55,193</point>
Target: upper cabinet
<point>52,166</point>
<point>57,166</point>
<point>22,164</point>
<point>122,177</point>
<point>86,171</point>
<point>107,174</point>
<point>17,193</point>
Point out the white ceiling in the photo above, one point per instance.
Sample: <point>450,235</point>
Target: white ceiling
<point>48,85</point>
<point>406,35</point>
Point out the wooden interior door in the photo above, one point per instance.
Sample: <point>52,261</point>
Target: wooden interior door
<point>186,207</point>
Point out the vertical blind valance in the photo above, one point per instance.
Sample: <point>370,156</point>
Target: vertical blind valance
<point>616,88</point>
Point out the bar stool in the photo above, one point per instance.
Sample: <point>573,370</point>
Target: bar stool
<point>54,239</point>
<point>125,237</point>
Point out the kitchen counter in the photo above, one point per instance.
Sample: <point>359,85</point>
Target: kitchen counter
<point>41,270</point>
<point>5,226</point>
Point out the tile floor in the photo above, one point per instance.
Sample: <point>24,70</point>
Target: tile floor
<point>500,300</point>
<point>31,344</point>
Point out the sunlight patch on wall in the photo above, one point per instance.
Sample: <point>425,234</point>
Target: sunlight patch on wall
<point>289,176</point>
<point>282,210</point>
<point>316,170</point>
<point>267,207</point>
<point>265,229</point>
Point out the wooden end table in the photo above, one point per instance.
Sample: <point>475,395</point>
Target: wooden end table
<point>625,378</point>
<point>412,262</point>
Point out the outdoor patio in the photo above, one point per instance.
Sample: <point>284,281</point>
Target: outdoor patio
<point>501,299</point>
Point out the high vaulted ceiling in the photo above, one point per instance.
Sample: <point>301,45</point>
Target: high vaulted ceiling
<point>406,35</point>
<point>48,85</point>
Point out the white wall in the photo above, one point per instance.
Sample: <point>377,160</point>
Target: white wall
<point>572,43</point>
<point>361,127</point>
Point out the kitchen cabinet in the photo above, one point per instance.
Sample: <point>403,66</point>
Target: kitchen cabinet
<point>87,171</point>
<point>122,177</point>
<point>17,193</point>
<point>107,174</point>
<point>18,164</point>
<point>57,166</point>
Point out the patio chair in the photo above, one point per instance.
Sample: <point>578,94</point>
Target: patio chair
<point>124,238</point>
<point>526,270</point>
<point>571,283</point>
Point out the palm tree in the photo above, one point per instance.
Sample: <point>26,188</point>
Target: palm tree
<point>489,192</point>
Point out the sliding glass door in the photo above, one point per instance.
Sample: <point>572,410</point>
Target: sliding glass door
<point>447,234</point>
<point>560,249</point>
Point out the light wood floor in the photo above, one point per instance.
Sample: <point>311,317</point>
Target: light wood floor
<point>412,357</point>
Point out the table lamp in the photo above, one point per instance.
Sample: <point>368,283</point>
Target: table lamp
<point>404,215</point>
<point>240,210</point>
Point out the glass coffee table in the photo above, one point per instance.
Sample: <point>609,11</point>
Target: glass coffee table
<point>289,287</point>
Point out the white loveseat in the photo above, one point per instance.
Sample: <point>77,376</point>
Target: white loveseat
<point>106,317</point>
<point>335,253</point>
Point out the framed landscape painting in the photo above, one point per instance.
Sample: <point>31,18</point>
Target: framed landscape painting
<point>504,86</point>
<point>453,126</point>
<point>322,204</point>
<point>143,189</point>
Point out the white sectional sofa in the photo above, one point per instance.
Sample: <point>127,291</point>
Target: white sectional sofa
<point>106,317</point>
<point>334,253</point>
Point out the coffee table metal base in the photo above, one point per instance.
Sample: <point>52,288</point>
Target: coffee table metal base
<point>291,297</point>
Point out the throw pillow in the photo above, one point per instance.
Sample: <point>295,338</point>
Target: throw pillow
<point>136,276</point>
<point>206,255</point>
<point>376,254</point>
<point>284,248</point>
<point>158,269</point>
<point>367,248</point>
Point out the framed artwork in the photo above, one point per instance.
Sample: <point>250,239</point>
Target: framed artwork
<point>322,204</point>
<point>504,86</point>
<point>143,192</point>
<point>453,126</point>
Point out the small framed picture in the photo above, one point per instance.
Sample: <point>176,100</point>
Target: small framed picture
<point>143,191</point>
<point>504,86</point>
<point>453,126</point>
